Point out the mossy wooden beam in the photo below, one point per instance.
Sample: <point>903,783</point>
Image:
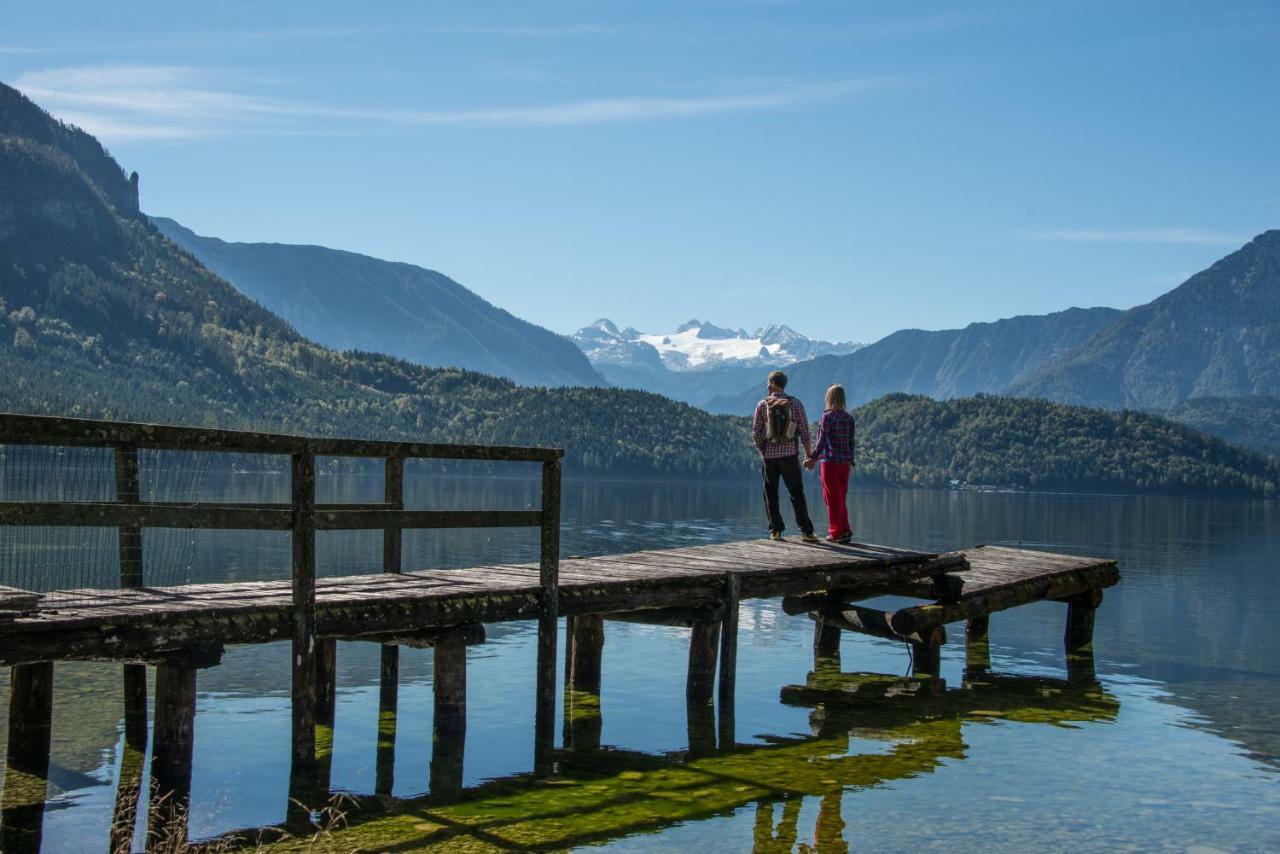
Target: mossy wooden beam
<point>923,617</point>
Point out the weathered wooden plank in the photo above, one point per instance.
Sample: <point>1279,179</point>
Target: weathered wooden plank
<point>80,432</point>
<point>867,621</point>
<point>982,601</point>
<point>13,599</point>
<point>473,635</point>
<point>109,514</point>
<point>679,617</point>
<point>342,520</point>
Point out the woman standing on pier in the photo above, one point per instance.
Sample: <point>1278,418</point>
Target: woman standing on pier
<point>834,449</point>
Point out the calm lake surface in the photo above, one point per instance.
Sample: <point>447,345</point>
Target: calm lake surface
<point>1179,747</point>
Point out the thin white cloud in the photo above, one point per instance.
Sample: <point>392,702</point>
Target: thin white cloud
<point>151,102</point>
<point>1138,235</point>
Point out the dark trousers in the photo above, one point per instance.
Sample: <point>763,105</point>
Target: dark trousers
<point>788,469</point>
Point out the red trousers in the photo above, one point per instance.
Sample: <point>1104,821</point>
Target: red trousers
<point>835,487</point>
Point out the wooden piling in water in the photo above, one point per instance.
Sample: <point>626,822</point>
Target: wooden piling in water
<point>26,772</point>
<point>926,653</point>
<point>449,730</point>
<point>388,696</point>
<point>1081,610</point>
<point>129,784</point>
<point>826,639</point>
<point>585,648</point>
<point>303,470</point>
<point>700,687</point>
<point>584,654</point>
<point>728,684</point>
<point>548,622</point>
<point>389,666</point>
<point>977,648</point>
<point>173,743</point>
<point>703,644</point>
<point>326,707</point>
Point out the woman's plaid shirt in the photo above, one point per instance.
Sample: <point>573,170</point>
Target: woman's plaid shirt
<point>835,437</point>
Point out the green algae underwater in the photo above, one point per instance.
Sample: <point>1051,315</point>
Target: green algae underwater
<point>898,728</point>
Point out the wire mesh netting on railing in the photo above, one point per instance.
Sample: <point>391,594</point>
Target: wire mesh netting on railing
<point>46,558</point>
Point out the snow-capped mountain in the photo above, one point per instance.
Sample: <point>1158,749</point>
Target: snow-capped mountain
<point>698,359</point>
<point>697,346</point>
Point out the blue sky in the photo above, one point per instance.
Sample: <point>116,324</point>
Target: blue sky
<point>846,168</point>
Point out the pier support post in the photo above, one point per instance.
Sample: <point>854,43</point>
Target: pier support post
<point>826,641</point>
<point>926,654</point>
<point>584,652</point>
<point>173,742</point>
<point>544,733</point>
<point>304,617</point>
<point>389,668</point>
<point>388,698</point>
<point>448,740</point>
<point>728,687</point>
<point>1080,613</point>
<point>700,687</point>
<point>129,787</point>
<point>977,648</point>
<point>326,707</point>
<point>26,772</point>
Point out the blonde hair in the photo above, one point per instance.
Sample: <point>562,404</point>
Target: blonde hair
<point>835,397</point>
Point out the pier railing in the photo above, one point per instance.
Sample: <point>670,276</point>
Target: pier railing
<point>302,515</point>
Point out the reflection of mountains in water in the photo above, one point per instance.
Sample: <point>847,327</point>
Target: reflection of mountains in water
<point>599,794</point>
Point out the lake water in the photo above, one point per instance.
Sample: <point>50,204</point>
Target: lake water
<point>1177,747</point>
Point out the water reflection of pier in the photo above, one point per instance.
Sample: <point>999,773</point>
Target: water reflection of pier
<point>600,792</point>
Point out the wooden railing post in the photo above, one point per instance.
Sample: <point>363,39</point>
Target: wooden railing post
<point>549,579</point>
<point>389,669</point>
<point>129,491</point>
<point>304,625</point>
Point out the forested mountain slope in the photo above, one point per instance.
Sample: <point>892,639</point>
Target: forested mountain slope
<point>348,301</point>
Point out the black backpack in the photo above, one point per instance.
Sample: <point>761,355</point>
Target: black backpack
<point>779,427</point>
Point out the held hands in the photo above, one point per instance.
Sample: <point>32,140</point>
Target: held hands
<point>810,462</point>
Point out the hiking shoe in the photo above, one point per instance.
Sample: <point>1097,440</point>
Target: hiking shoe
<point>809,538</point>
<point>775,535</point>
<point>845,539</point>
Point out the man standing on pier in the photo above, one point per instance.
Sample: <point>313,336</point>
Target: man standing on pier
<point>779,427</point>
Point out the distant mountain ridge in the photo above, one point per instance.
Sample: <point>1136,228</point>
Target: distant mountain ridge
<point>697,361</point>
<point>350,301</point>
<point>980,358</point>
<point>1215,335</point>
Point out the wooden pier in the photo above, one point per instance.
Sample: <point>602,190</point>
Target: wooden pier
<point>180,630</point>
